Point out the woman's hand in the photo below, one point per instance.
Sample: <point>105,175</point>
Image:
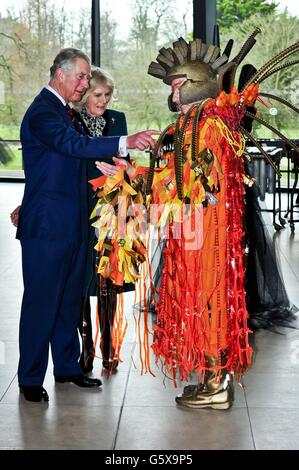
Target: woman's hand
<point>106,168</point>
<point>111,170</point>
<point>14,216</point>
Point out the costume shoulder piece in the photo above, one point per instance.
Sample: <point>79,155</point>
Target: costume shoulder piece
<point>210,74</point>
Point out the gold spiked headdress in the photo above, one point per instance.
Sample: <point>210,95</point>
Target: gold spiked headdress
<point>208,73</point>
<point>196,62</point>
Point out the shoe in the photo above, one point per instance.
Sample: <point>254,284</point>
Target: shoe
<point>197,398</point>
<point>110,365</point>
<point>35,393</point>
<point>79,380</point>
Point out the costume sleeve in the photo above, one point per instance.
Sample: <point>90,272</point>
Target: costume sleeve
<point>121,248</point>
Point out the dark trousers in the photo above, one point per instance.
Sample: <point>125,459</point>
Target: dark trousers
<point>107,301</point>
<point>53,281</point>
<point>106,308</point>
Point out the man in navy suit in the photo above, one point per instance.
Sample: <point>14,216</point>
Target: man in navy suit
<point>51,225</point>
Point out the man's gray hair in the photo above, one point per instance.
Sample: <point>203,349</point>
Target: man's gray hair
<point>66,59</point>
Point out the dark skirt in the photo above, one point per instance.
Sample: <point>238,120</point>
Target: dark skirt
<point>267,301</point>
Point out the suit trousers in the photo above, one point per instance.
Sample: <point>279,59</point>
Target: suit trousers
<point>53,281</point>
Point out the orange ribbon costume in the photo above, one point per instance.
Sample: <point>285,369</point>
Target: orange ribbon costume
<point>201,309</point>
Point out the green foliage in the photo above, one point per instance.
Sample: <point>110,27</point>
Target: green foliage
<point>29,42</point>
<point>12,133</point>
<point>109,43</point>
<point>30,39</point>
<point>231,13</point>
<point>142,97</point>
<point>283,83</point>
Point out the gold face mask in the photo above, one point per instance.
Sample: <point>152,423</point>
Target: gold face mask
<point>201,81</point>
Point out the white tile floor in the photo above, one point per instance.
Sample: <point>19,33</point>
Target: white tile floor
<point>139,412</point>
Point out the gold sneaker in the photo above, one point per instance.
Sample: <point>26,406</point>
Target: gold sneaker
<point>198,397</point>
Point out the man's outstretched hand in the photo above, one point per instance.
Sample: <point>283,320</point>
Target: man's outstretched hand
<point>142,140</point>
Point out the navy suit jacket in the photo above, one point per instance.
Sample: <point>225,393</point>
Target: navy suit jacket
<point>54,205</point>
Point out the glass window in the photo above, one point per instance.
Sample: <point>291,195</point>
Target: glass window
<point>131,37</point>
<point>132,32</point>
<point>282,23</point>
<point>31,34</point>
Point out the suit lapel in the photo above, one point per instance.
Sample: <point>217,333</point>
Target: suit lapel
<point>54,101</point>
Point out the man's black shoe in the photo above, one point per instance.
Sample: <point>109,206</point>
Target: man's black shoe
<point>35,393</point>
<point>110,366</point>
<point>80,380</point>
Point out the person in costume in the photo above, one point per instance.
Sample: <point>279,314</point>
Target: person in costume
<point>199,189</point>
<point>98,121</point>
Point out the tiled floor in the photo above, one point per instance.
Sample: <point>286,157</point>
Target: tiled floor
<point>139,412</point>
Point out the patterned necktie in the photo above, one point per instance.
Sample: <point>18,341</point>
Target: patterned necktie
<point>70,112</point>
<point>75,118</point>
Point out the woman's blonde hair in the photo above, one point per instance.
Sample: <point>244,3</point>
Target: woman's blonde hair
<point>99,77</point>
